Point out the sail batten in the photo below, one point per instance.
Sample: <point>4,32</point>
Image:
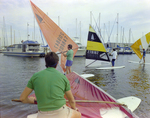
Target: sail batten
<point>55,37</point>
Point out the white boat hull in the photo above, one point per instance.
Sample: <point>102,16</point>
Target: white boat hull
<point>80,53</point>
<point>24,54</point>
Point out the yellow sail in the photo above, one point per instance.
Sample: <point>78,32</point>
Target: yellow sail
<point>140,44</point>
<point>56,38</point>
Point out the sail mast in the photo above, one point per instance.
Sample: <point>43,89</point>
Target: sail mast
<point>117,26</point>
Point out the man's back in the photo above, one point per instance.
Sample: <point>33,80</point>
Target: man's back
<point>49,86</point>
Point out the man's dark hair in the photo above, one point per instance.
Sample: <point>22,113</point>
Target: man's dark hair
<point>51,59</point>
<point>114,49</point>
<point>70,46</point>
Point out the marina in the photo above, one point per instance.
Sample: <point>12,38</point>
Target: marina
<point>133,80</point>
<point>121,91</point>
<point>25,49</point>
<point>81,50</point>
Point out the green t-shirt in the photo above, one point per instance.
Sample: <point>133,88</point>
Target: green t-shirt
<point>70,55</point>
<point>50,86</point>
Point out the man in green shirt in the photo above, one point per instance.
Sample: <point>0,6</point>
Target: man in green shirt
<point>50,86</point>
<point>69,61</point>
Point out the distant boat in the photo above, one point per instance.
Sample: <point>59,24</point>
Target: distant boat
<point>124,50</point>
<point>81,50</point>
<point>2,49</point>
<point>25,49</point>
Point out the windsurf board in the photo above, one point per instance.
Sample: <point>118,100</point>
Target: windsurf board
<point>137,62</point>
<point>115,67</point>
<point>87,75</point>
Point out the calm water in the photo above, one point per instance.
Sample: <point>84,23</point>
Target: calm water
<point>133,80</point>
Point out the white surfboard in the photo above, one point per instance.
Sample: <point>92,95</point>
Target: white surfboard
<point>86,75</point>
<point>137,62</point>
<point>115,67</point>
<point>132,102</point>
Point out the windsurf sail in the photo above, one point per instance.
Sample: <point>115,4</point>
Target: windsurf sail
<point>93,93</point>
<point>96,52</point>
<point>55,37</point>
<point>140,44</point>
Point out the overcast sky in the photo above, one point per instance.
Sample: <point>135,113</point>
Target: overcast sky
<point>74,18</point>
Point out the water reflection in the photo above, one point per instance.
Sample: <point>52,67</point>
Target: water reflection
<point>143,69</point>
<point>106,79</point>
<point>113,73</point>
<point>140,81</point>
<point>139,78</point>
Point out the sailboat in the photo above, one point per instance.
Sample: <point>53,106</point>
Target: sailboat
<point>56,38</point>
<point>140,44</point>
<point>81,88</point>
<point>93,102</point>
<point>96,54</point>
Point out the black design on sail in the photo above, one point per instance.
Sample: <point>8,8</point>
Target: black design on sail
<point>96,53</point>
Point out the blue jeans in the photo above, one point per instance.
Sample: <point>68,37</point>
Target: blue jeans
<point>113,62</point>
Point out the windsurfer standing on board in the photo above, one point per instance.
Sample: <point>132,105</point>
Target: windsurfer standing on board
<point>114,54</point>
<point>144,54</point>
<point>69,61</point>
<point>50,86</point>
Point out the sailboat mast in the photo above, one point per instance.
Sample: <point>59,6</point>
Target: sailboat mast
<point>80,31</point>
<point>117,26</point>
<point>14,36</point>
<point>91,18</point>
<point>99,26</point>
<point>129,35</point>
<point>120,35</point>
<point>34,27</point>
<point>104,32</point>
<point>27,31</point>
<point>76,27</point>
<point>11,34</point>
<point>123,37</point>
<point>4,30</point>
<point>58,21</point>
